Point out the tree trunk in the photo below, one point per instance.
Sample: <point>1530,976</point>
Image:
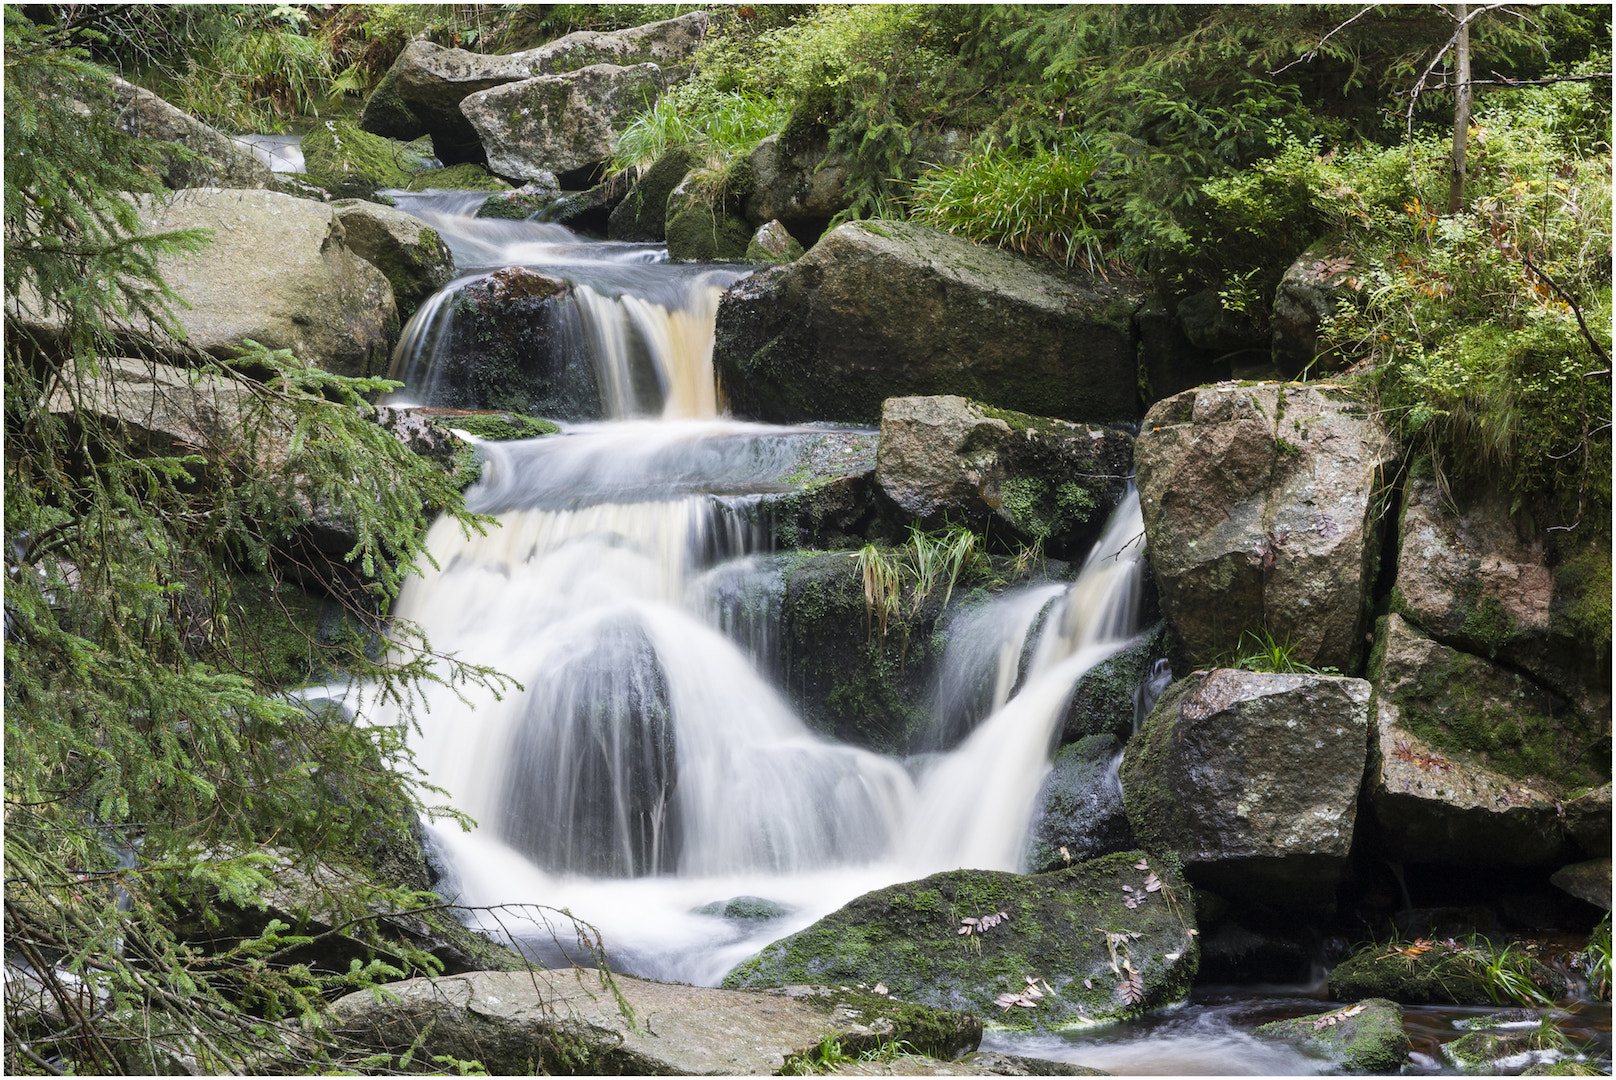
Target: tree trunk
<point>1461,114</point>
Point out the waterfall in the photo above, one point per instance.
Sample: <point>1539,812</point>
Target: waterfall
<point>646,765</point>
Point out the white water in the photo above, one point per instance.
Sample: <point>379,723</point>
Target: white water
<point>647,767</point>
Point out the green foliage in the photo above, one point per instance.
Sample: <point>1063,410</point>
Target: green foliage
<point>1594,960</point>
<point>1260,650</point>
<point>720,125</point>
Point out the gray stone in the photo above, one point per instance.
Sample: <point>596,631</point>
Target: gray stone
<point>1365,1037</point>
<point>802,189</point>
<point>570,1021</point>
<point>772,244</point>
<point>1047,948</point>
<point>1440,805</point>
<point>225,163</point>
<point>1079,814</point>
<point>1588,881</point>
<point>745,909</point>
<point>1168,363</point>
<point>996,1064</point>
<point>559,124</point>
<point>881,309</point>
<point>410,253</point>
<point>948,459</point>
<point>421,93</point>
<point>1252,779</point>
<point>1587,820</point>
<point>1313,290</point>
<point>1262,512</point>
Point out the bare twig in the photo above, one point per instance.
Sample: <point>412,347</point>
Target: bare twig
<point>1572,304</point>
<point>1313,53</point>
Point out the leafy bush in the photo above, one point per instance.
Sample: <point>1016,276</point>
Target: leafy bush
<point>720,124</point>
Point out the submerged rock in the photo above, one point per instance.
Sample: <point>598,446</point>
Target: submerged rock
<point>1366,1037</point>
<point>570,1021</point>
<point>1262,510</point>
<point>1252,780</point>
<point>1433,794</point>
<point>415,259</point>
<point>1095,942</point>
<point>881,309</point>
<point>745,909</point>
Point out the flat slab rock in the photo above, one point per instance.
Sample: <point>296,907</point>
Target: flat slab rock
<point>568,1020</point>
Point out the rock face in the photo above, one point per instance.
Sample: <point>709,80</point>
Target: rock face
<point>422,92</point>
<point>642,216</point>
<point>226,163</point>
<point>559,124</point>
<point>1079,814</point>
<point>569,1021</point>
<point>883,309</point>
<point>409,252</point>
<point>278,271</point>
<point>1312,290</point>
<point>1440,718</point>
<point>1467,576</point>
<point>946,458</point>
<point>1261,508</point>
<point>909,937</point>
<point>1252,779</point>
<point>1587,820</point>
<point>1366,1037</point>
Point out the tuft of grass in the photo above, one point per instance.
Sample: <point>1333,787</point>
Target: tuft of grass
<point>1260,650</point>
<point>1594,960</point>
<point>719,125</point>
<point>883,587</point>
<point>938,558</point>
<point>1040,204</point>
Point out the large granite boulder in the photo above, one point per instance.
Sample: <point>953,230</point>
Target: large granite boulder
<point>1456,760</point>
<point>559,125</point>
<point>421,93</point>
<point>351,163</point>
<point>946,459</point>
<point>1365,1037</point>
<point>409,252</point>
<point>1100,941</point>
<point>278,271</point>
<point>223,161</point>
<point>1252,780</point>
<point>1313,290</point>
<point>881,309</point>
<point>1079,813</point>
<point>576,1022</point>
<point>1474,577</point>
<point>642,216</point>
<point>1263,508</point>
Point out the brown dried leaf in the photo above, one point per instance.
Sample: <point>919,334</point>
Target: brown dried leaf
<point>1152,882</point>
<point>1141,865</point>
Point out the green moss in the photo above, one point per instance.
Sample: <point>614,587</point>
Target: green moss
<point>1582,595</point>
<point>1369,1040</point>
<point>1487,623</point>
<point>1439,975</point>
<point>287,637</point>
<point>503,427</point>
<point>465,177</point>
<point>516,205</point>
<point>349,162</point>
<point>700,232</point>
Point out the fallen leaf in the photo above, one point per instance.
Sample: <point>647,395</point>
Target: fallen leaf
<point>1088,984</point>
<point>1152,883</point>
<point>1173,956</point>
<point>1141,865</point>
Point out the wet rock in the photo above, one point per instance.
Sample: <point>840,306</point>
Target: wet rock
<point>642,216</point>
<point>702,227</point>
<point>1474,578</point>
<point>559,124</point>
<point>224,163</point>
<point>1232,953</point>
<point>1252,779</point>
<point>772,244</point>
<point>1116,695</point>
<point>1313,289</point>
<point>946,459</point>
<point>1587,820</point>
<point>1168,363</point>
<point>421,93</point>
<point>1365,1037</point>
<point>1588,881</point>
<point>518,1023</point>
<point>1429,973</point>
<point>1440,801</point>
<point>908,937</point>
<point>278,271</point>
<point>519,205</point>
<point>893,309</point>
<point>996,1064</point>
<point>802,187</point>
<point>1262,511</point>
<point>1078,814</point>
<point>589,211</point>
<point>745,909</point>
<point>1503,1053</point>
<point>463,177</point>
<point>352,163</point>
<point>410,253</point>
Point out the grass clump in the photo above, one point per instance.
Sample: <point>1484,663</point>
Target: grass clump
<point>720,125</point>
<point>1264,651</point>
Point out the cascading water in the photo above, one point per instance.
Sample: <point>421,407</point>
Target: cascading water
<point>647,767</point>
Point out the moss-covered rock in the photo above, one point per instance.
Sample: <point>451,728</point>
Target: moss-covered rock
<point>1069,938</point>
<point>466,176</point>
<point>1107,697</point>
<point>1503,1052</point>
<point>701,231</point>
<point>1431,973</point>
<point>352,163</point>
<point>1079,813</point>
<point>773,244</point>
<point>642,216</point>
<point>518,205</point>
<point>1366,1037</point>
<point>414,258</point>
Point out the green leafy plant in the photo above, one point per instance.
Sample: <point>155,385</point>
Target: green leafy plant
<point>719,125</point>
<point>1261,650</point>
<point>1594,960</point>
<point>940,559</point>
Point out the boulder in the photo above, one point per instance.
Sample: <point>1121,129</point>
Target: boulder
<point>278,271</point>
<point>1100,941</point>
<point>1313,290</point>
<point>463,177</point>
<point>526,202</point>
<point>589,211</point>
<point>559,124</point>
<point>1510,1053</point>
<point>1168,363</point>
<point>1262,509</point>
<point>1115,695</point>
<point>494,346</point>
<point>772,244</point>
<point>409,252</point>
<point>1213,328</point>
<point>1588,881</point>
<point>1432,791</point>
<point>1474,577</point>
<point>1426,972</point>
<point>992,1063</point>
<point>701,226</point>
<point>1079,814</point>
<point>946,459</point>
<point>883,309</point>
<point>575,1021</point>
<point>352,163</point>
<point>800,186</point>
<point>1252,780</point>
<point>642,216</point>
<point>1366,1037</point>
<point>421,93</point>
<point>1587,820</point>
<point>224,162</point>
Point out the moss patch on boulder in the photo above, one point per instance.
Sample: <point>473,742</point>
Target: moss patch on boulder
<point>466,176</point>
<point>1437,974</point>
<point>351,163</point>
